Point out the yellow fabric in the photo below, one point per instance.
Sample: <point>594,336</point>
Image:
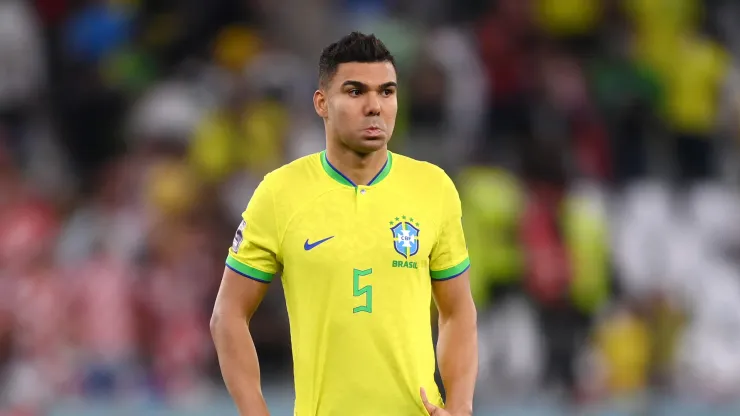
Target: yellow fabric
<point>265,127</point>
<point>492,204</point>
<point>235,46</point>
<point>359,309</point>
<point>624,344</point>
<point>663,15</point>
<point>659,25</point>
<point>253,141</point>
<point>657,50</point>
<point>586,238</point>
<point>209,150</point>
<point>568,17</point>
<point>690,67</point>
<point>171,188</point>
<point>692,87</point>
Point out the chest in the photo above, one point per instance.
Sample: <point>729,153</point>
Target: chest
<point>362,228</point>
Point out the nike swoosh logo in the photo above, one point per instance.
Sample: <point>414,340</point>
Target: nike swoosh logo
<point>308,246</point>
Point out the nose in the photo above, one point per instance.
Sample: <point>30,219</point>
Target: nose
<point>372,105</point>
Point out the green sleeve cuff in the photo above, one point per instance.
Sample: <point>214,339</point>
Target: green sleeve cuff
<point>451,272</point>
<point>248,271</point>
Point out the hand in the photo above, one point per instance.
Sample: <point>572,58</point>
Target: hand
<point>432,409</point>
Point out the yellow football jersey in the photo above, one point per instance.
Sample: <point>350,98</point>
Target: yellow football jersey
<point>357,266</point>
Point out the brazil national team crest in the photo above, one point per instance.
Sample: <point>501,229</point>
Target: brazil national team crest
<point>405,236</point>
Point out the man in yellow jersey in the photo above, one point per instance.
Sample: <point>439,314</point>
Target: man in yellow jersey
<point>364,238</point>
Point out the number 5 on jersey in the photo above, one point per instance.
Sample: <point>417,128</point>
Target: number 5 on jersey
<point>366,290</point>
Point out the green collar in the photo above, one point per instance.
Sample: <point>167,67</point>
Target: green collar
<point>335,174</point>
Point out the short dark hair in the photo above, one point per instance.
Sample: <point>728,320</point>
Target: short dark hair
<point>355,47</point>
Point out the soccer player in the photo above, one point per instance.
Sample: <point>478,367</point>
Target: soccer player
<point>364,239</point>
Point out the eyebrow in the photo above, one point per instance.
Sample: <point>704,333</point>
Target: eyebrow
<point>363,86</point>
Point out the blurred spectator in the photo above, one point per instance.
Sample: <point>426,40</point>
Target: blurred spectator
<point>104,330</point>
<point>622,342</point>
<point>507,42</point>
<point>166,114</point>
<point>23,72</point>
<point>247,134</point>
<point>110,222</point>
<point>96,30</point>
<point>692,96</point>
<point>628,95</point>
<point>447,101</point>
<point>492,201</point>
<point>40,369</point>
<point>172,295</point>
<point>23,67</point>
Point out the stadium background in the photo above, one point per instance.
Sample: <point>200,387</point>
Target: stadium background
<point>594,144</point>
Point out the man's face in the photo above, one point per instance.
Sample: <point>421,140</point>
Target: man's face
<point>359,105</point>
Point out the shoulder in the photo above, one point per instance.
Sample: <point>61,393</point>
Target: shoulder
<point>421,172</point>
<point>293,175</point>
<point>296,184</point>
<point>289,187</point>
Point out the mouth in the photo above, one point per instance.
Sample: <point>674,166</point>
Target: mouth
<point>373,131</point>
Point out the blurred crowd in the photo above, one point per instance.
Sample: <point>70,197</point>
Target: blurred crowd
<point>594,144</point>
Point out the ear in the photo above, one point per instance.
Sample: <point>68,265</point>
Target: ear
<point>320,104</point>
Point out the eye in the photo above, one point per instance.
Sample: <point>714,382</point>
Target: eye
<point>388,92</point>
<point>354,92</point>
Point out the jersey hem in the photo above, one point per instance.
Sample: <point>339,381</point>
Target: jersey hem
<point>248,271</point>
<point>451,272</point>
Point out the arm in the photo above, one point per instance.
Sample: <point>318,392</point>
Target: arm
<point>457,347</point>
<point>237,299</point>
<point>250,267</point>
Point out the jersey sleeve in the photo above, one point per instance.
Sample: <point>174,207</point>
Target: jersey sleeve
<point>254,251</point>
<point>449,257</point>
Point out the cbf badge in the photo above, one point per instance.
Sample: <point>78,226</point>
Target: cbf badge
<point>405,236</point>
<point>238,237</point>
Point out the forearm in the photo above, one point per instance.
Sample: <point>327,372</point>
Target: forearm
<point>237,358</point>
<point>457,351</point>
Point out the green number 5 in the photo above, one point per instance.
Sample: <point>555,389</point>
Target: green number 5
<point>365,290</point>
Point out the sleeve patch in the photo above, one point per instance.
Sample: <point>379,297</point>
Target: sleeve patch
<point>238,237</point>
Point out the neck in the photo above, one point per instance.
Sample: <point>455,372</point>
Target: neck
<point>359,168</point>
